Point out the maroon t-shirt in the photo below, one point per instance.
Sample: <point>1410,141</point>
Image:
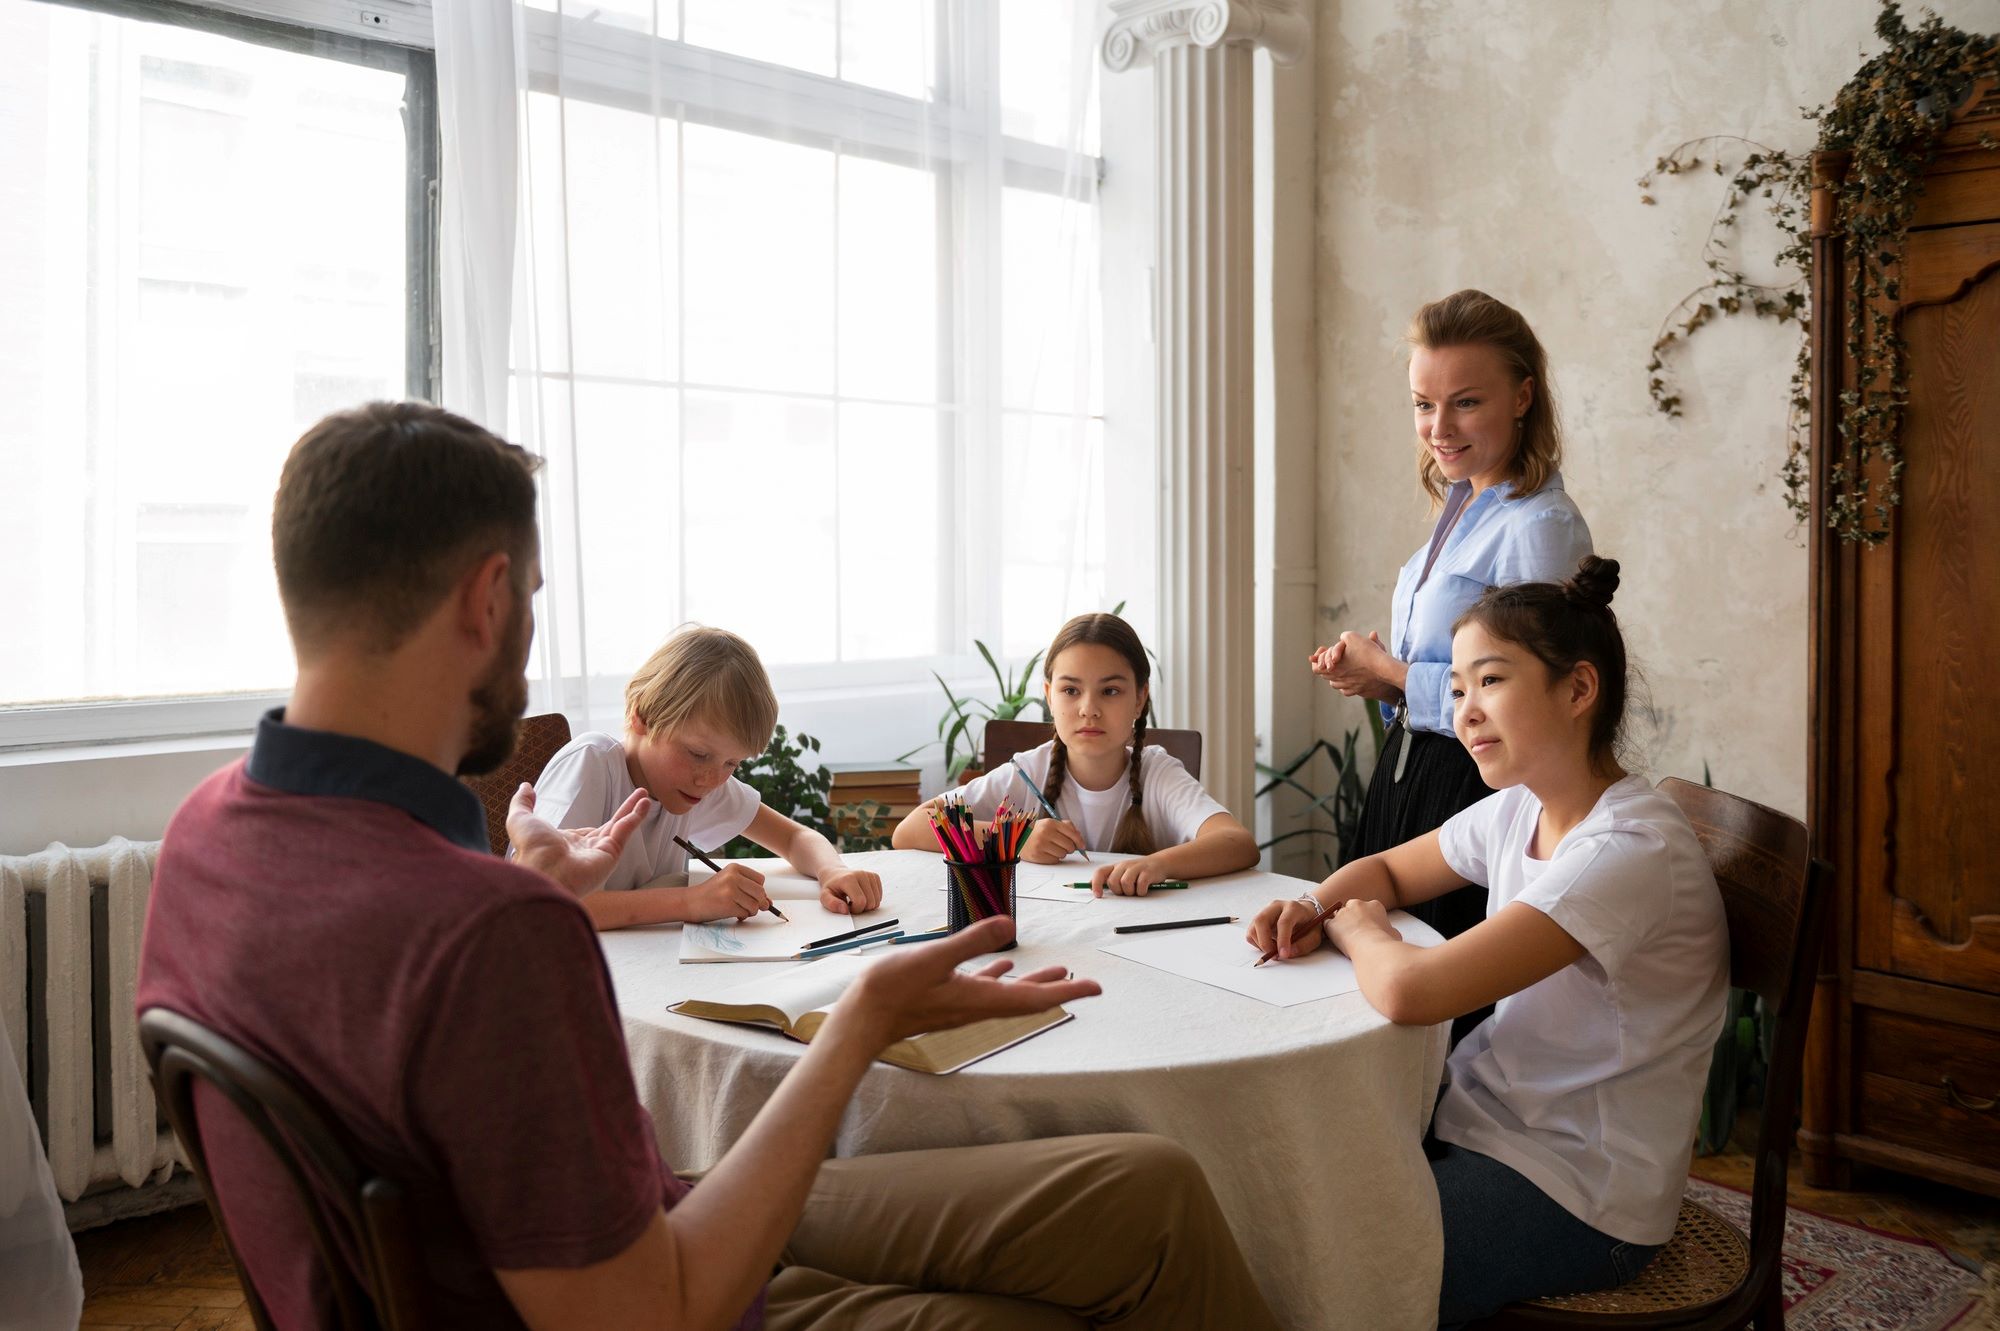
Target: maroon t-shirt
<point>330,905</point>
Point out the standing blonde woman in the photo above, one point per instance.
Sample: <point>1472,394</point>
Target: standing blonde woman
<point>1489,449</point>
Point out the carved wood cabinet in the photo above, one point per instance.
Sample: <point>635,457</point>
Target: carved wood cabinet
<point>1903,1064</point>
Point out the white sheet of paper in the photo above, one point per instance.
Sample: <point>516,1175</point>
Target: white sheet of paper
<point>1051,882</point>
<point>1220,957</point>
<point>764,937</point>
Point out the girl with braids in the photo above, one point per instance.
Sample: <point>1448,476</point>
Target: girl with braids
<point>1563,1134</point>
<point>1114,793</point>
<point>1489,446</point>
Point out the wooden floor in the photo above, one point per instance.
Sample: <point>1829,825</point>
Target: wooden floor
<point>172,1273</point>
<point>168,1272</point>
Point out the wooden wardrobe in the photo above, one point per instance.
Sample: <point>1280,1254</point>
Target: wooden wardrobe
<point>1903,1061</point>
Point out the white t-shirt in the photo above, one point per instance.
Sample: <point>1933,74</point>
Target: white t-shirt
<point>587,780</point>
<point>1172,802</point>
<point>1589,1083</point>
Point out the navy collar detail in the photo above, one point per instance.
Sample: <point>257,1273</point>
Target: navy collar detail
<point>318,762</point>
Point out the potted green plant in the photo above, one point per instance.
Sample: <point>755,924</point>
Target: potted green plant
<point>962,727</point>
<point>798,787</point>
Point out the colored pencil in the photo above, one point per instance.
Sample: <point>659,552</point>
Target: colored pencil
<point>930,937</point>
<point>1173,924</point>
<point>1043,800</point>
<point>808,953</point>
<point>689,847</point>
<point>852,933</point>
<point>1168,886</point>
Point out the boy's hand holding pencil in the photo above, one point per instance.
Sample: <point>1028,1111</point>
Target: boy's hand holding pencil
<point>736,891</point>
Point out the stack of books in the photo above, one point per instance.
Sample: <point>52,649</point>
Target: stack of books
<point>891,784</point>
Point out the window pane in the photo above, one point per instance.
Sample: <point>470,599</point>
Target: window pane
<point>757,505</point>
<point>1047,60</point>
<point>629,481</point>
<point>890,44</point>
<point>759,227</point>
<point>797,33</point>
<point>1049,319</point>
<point>888,281</point>
<point>652,16</point>
<point>890,505</point>
<point>202,252</point>
<point>1052,488</point>
<point>602,238</point>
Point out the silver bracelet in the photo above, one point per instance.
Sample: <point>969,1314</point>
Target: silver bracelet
<point>1311,900</point>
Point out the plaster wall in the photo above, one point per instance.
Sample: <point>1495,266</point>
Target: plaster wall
<point>1496,144</point>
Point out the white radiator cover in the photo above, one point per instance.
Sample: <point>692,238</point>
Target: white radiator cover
<point>138,1152</point>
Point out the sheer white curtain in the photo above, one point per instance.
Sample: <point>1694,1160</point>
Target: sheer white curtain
<point>799,301</point>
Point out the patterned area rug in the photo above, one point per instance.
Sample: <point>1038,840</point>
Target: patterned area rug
<point>1843,1277</point>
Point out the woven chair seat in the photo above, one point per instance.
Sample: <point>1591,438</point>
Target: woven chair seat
<point>1703,1262</point>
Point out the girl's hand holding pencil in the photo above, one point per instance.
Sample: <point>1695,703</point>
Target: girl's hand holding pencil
<point>1129,878</point>
<point>1052,841</point>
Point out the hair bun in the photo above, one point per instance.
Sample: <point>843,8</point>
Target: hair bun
<point>1594,583</point>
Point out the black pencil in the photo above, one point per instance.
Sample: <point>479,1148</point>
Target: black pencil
<point>689,847</point>
<point>1173,924</point>
<point>851,933</point>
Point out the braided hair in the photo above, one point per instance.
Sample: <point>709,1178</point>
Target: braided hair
<point>1564,624</point>
<point>1132,835</point>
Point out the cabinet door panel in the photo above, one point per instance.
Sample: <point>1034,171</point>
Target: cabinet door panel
<point>1937,591</point>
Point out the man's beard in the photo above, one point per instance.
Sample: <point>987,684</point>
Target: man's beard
<point>499,701</point>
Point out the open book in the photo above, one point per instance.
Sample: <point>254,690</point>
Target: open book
<point>797,1003</point>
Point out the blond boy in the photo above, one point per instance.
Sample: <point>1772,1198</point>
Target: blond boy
<point>700,705</point>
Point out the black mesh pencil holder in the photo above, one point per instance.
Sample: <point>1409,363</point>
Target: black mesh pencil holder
<point>979,891</point>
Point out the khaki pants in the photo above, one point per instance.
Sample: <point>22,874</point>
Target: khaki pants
<point>1111,1230</point>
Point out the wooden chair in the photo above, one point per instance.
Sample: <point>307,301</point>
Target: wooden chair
<point>540,737</point>
<point>1004,739</point>
<point>353,1209</point>
<point>1708,1276</point>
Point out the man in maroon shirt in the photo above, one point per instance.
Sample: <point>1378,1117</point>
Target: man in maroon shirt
<point>329,904</point>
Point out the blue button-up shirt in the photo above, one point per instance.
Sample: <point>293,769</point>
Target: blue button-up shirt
<point>1498,540</point>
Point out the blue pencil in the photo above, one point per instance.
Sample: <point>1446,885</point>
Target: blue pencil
<point>808,953</point>
<point>1043,800</point>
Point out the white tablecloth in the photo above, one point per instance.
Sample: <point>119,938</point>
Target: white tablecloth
<point>1308,1120</point>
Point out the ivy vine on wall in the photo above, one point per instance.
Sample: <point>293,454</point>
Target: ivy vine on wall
<point>1888,117</point>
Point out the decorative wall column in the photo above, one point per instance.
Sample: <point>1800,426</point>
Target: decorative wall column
<point>1203,302</point>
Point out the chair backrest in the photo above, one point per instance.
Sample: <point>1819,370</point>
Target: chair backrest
<point>539,739</point>
<point>1004,739</point>
<point>352,1210</point>
<point>1776,898</point>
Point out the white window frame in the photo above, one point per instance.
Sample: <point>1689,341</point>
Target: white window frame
<point>396,33</point>
<point>616,66</point>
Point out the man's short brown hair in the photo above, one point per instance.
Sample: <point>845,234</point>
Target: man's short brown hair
<point>382,508</point>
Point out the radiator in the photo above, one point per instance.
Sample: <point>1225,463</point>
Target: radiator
<point>70,922</point>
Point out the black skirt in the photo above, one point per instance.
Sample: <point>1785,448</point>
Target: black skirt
<point>1439,780</point>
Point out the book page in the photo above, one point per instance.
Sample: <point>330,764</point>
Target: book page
<point>813,987</point>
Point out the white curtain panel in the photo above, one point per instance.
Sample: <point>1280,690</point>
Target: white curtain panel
<point>798,299</point>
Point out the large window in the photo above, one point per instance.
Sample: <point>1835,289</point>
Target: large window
<point>215,231</point>
<point>807,327</point>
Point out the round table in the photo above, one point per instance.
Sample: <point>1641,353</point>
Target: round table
<point>1308,1120</point>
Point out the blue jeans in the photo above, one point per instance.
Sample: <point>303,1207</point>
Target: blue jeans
<point>1506,1240</point>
